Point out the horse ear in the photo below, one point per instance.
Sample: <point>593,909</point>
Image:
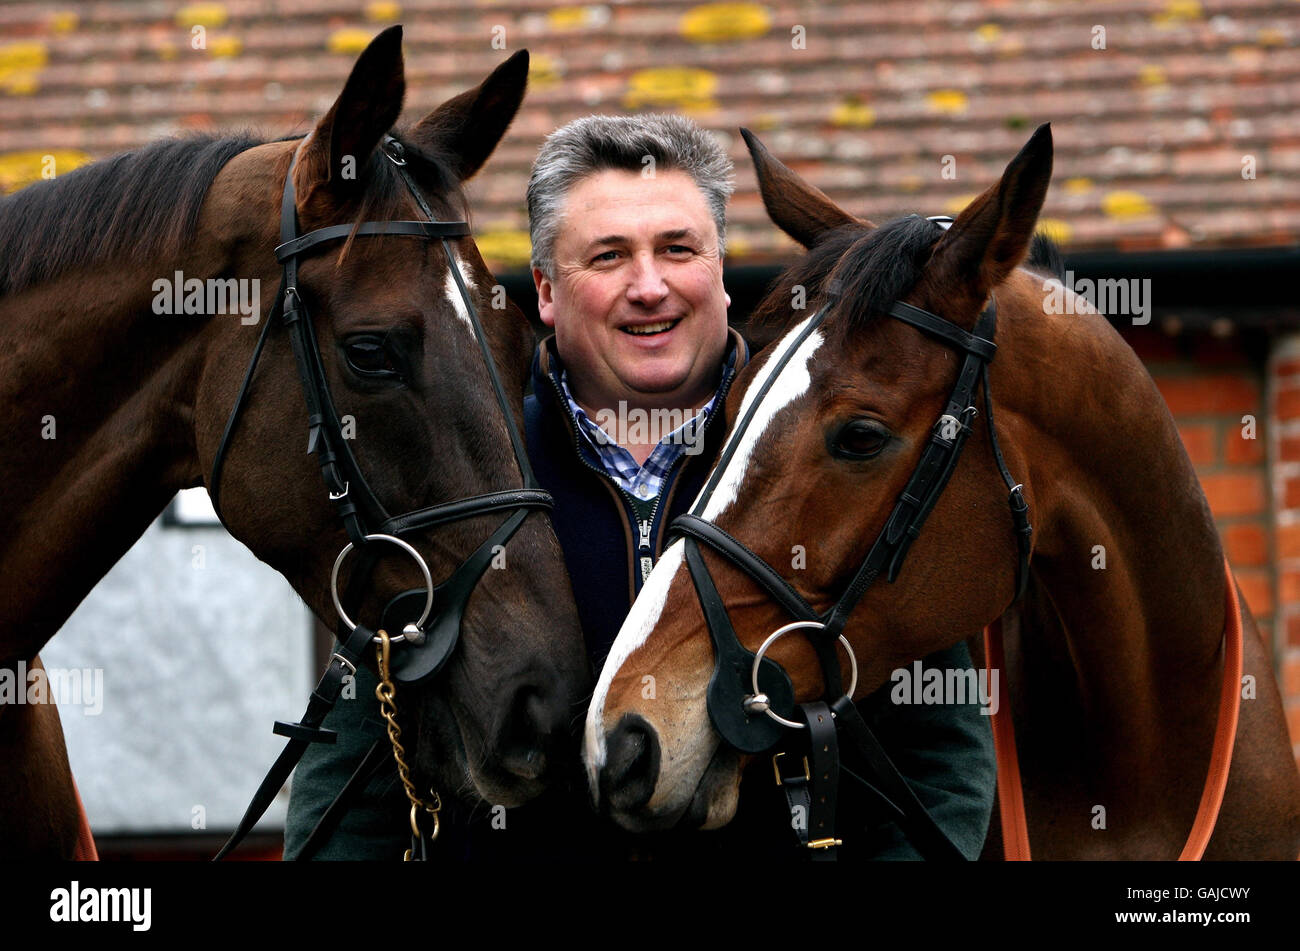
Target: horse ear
<point>992,234</point>
<point>465,130</point>
<point>363,113</point>
<point>799,209</point>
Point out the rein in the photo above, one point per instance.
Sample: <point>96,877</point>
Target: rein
<point>367,522</point>
<point>1011,799</point>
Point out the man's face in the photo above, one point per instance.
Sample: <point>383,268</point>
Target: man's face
<point>636,300</point>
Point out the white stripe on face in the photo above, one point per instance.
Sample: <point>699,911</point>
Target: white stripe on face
<point>646,610</point>
<point>453,292</point>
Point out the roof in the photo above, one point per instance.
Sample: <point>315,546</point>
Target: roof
<point>1176,122</point>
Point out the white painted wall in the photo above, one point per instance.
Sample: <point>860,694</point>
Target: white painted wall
<point>201,648</point>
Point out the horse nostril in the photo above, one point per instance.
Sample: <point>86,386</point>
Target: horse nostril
<point>530,732</point>
<point>632,764</point>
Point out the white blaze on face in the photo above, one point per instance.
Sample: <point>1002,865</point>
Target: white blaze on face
<point>453,292</point>
<point>646,610</point>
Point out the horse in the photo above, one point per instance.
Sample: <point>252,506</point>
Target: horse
<point>114,400</point>
<point>1114,674</point>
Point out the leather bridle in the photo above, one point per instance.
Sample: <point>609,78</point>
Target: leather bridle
<point>750,698</point>
<point>426,648</point>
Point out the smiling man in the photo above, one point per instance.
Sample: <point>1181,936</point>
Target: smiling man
<point>628,227</point>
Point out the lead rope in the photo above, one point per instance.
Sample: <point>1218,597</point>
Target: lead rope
<point>385,692</point>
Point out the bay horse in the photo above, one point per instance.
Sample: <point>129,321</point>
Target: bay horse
<point>1114,673</point>
<point>111,407</point>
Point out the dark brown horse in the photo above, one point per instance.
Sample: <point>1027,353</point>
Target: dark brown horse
<point>132,405</point>
<point>1114,674</point>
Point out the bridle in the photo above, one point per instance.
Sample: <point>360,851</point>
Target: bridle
<point>750,698</point>
<point>426,644</point>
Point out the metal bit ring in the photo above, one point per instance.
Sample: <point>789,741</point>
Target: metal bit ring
<point>781,632</point>
<point>424,570</point>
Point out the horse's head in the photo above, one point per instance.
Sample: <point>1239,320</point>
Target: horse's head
<point>417,410</point>
<point>844,404</point>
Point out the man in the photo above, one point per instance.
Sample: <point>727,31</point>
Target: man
<point>627,218</point>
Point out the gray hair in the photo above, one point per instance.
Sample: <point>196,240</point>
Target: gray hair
<point>595,143</point>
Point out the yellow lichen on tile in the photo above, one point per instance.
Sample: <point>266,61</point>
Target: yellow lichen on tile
<point>853,113</point>
<point>506,247</point>
<point>543,71</point>
<point>573,18</point>
<point>1126,204</point>
<point>1077,186</point>
<point>349,40</point>
<point>382,12</point>
<point>204,14</point>
<point>724,22</point>
<point>1152,75</point>
<point>949,101</point>
<point>20,64</point>
<point>19,169</point>
<point>64,21</point>
<point>1055,228</point>
<point>1175,12</point>
<point>225,46</point>
<point>682,87</point>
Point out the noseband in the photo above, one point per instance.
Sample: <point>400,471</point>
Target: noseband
<point>751,698</point>
<point>423,652</point>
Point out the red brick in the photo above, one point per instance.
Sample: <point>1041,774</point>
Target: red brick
<point>1293,631</point>
<point>1289,449</point>
<point>1257,588</point>
<point>1240,451</point>
<point>1288,541</point>
<point>1293,721</point>
<point>1291,493</point>
<point>1291,675</point>
<point>1199,441</point>
<point>1286,368</point>
<point>1234,493</point>
<point>1247,545</point>
<point>1287,405</point>
<point>1211,393</point>
<point>1290,593</point>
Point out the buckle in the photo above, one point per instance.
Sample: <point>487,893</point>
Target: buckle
<point>780,780</point>
<point>352,668</point>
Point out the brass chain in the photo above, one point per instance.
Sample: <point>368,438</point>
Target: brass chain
<point>386,692</point>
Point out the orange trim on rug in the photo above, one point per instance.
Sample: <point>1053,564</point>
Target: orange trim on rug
<point>85,851</point>
<point>1011,799</point>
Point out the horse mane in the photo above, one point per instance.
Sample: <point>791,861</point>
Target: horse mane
<point>874,268</point>
<point>146,203</point>
<point>141,203</point>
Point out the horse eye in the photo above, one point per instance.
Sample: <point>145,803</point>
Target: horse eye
<point>858,439</point>
<point>368,356</point>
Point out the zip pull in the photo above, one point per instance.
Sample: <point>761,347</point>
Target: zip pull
<point>647,562</point>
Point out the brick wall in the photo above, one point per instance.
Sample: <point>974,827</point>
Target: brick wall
<point>1215,386</point>
<point>1284,455</point>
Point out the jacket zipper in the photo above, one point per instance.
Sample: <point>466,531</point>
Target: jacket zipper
<point>645,555</point>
